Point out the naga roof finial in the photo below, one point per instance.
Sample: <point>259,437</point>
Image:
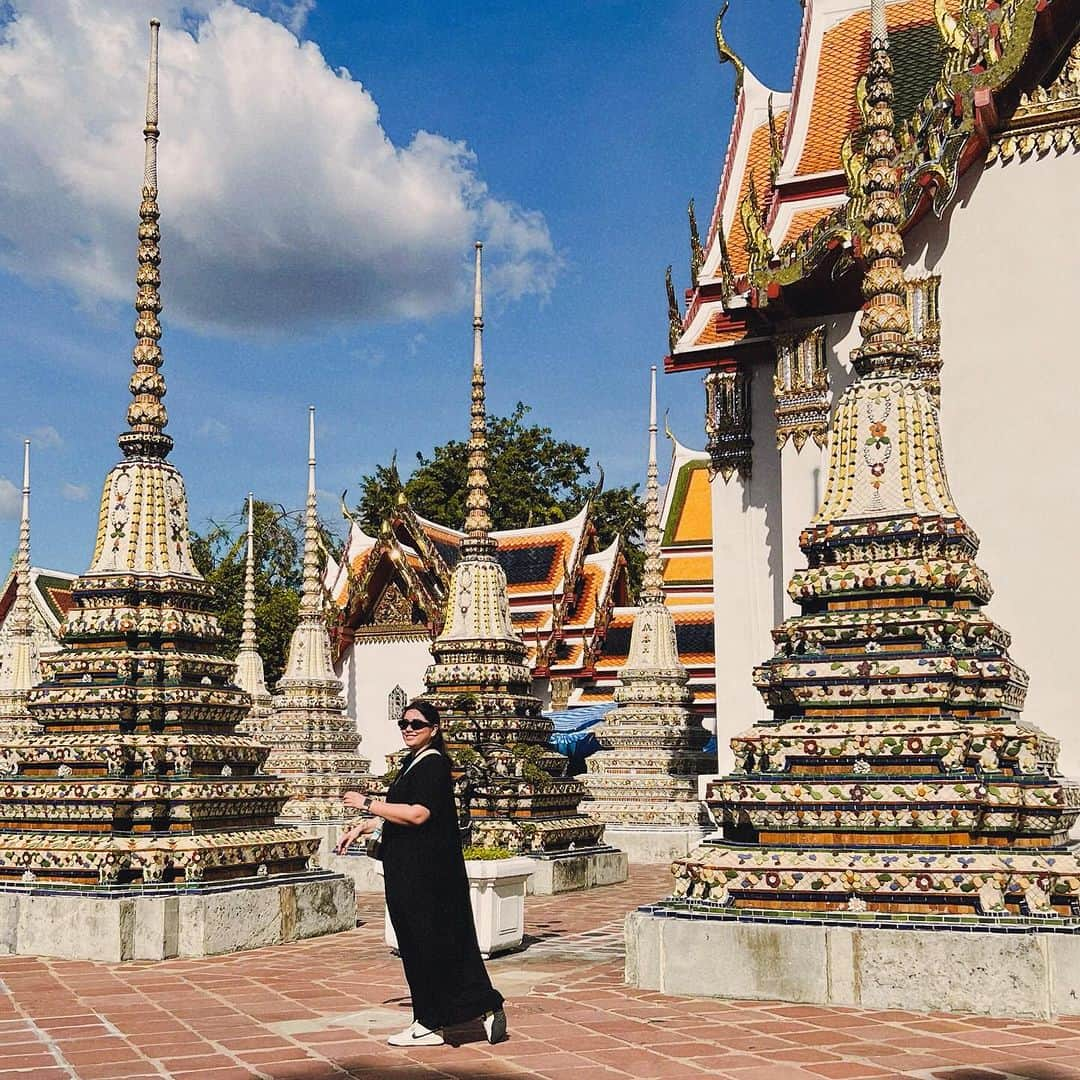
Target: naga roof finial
<point>478,516</point>
<point>776,149</point>
<point>652,579</point>
<point>146,415</point>
<point>884,325</point>
<point>697,253</point>
<point>674,316</point>
<point>727,54</point>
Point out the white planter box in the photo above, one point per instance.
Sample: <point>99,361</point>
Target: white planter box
<point>497,894</point>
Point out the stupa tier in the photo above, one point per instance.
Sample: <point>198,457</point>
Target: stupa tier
<point>137,774</point>
<point>896,775</point>
<point>314,743</point>
<point>644,777</point>
<point>481,685</point>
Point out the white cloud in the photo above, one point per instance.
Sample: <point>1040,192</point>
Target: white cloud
<point>214,431</point>
<point>10,499</point>
<point>292,13</point>
<point>285,206</point>
<point>75,492</point>
<point>46,437</point>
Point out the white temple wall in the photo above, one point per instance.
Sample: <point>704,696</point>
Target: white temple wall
<point>369,673</point>
<point>747,572</point>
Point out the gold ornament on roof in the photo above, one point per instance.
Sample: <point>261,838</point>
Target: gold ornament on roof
<point>776,150</point>
<point>727,54</point>
<point>697,254</point>
<point>674,317</point>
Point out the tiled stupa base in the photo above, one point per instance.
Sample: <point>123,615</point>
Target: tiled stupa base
<point>651,844</point>
<point>571,871</point>
<point>113,925</point>
<point>364,873</point>
<point>1012,966</point>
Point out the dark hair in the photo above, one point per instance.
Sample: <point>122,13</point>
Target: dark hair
<point>431,715</point>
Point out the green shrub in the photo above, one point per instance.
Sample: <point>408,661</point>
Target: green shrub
<point>486,854</point>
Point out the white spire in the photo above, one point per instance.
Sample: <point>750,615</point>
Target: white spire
<point>250,674</point>
<point>22,618</point>
<point>312,595</point>
<point>879,29</point>
<point>310,656</point>
<point>652,582</point>
<point>19,667</point>
<point>150,131</point>
<point>478,519</point>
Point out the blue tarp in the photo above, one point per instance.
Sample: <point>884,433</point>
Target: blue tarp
<point>573,736</point>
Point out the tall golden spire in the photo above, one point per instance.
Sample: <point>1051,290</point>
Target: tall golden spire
<point>652,580</point>
<point>478,517</point>
<point>884,325</point>
<point>146,415</point>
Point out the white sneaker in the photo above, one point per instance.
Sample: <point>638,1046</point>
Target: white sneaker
<point>495,1026</point>
<point>416,1035</point>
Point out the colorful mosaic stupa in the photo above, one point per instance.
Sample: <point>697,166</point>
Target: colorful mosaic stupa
<point>137,775</point>
<point>20,667</point>
<point>482,686</point>
<point>313,742</point>
<point>250,674</point>
<point>646,773</point>
<point>896,775</point>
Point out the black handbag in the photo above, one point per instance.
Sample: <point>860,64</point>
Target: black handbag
<point>374,843</point>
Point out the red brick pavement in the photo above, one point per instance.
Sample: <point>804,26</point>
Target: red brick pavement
<point>322,1009</point>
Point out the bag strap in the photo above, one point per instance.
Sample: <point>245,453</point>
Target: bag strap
<point>422,754</point>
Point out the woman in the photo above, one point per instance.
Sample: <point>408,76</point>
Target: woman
<point>427,892</point>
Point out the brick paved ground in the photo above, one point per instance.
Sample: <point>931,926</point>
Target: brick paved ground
<point>321,1009</point>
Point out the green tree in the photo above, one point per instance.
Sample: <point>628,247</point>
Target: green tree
<point>534,478</point>
<point>220,555</point>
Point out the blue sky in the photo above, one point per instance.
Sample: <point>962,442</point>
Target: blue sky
<point>570,136</point>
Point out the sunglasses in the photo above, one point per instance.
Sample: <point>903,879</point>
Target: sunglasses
<point>413,725</point>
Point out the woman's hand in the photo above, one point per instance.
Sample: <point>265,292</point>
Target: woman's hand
<point>353,833</point>
<point>356,800</point>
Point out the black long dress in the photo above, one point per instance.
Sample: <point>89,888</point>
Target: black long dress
<point>427,895</point>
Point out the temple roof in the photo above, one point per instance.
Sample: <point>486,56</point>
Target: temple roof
<point>747,163</point>
<point>559,587</point>
<point>686,528</point>
<point>49,589</point>
<point>835,48</point>
<point>781,213</point>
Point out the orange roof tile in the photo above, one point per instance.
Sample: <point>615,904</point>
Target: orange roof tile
<point>575,654</point>
<point>721,329</point>
<point>689,569</point>
<point>803,221</point>
<point>694,524</point>
<point>845,51</point>
<point>757,165</point>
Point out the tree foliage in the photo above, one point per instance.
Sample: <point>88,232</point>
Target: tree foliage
<point>220,554</point>
<point>534,478</point>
